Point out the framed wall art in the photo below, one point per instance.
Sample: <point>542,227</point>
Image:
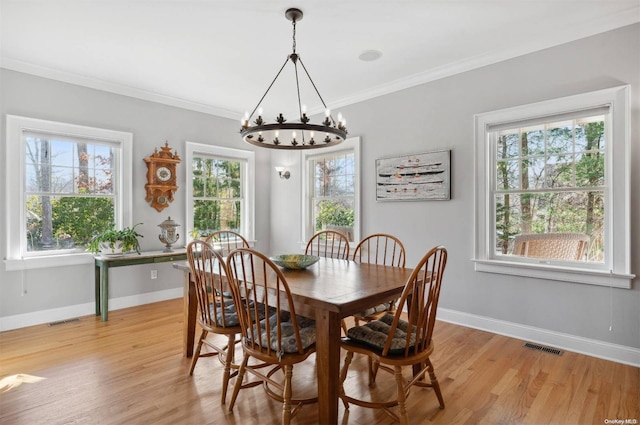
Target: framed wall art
<point>415,177</point>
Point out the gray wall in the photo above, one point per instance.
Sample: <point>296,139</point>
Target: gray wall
<point>439,115</point>
<point>433,116</point>
<point>151,124</point>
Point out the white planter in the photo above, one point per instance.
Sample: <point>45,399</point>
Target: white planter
<point>111,248</point>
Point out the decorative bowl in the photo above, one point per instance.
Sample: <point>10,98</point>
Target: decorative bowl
<point>295,261</point>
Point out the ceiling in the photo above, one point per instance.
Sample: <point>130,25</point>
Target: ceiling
<point>219,56</point>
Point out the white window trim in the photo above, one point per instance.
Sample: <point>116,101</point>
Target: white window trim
<point>15,175</point>
<point>248,183</point>
<point>352,143</point>
<point>615,271</point>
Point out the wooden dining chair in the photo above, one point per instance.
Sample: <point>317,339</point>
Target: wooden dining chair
<point>328,243</point>
<point>281,339</point>
<point>225,241</point>
<point>394,342</point>
<point>216,313</point>
<point>384,249</point>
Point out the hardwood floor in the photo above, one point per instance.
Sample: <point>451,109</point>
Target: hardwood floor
<point>130,370</point>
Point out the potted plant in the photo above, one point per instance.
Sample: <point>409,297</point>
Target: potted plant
<point>114,241</point>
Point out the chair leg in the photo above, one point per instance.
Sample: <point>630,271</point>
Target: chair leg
<point>401,395</point>
<point>196,353</point>
<point>227,366</point>
<point>373,371</point>
<point>286,395</point>
<point>239,379</point>
<point>434,383</point>
<point>343,377</point>
<point>344,327</point>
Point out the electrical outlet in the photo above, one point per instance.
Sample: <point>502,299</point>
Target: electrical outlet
<point>154,274</point>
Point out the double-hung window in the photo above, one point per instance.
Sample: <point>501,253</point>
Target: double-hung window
<point>219,190</point>
<point>332,190</point>
<point>553,189</point>
<point>64,184</point>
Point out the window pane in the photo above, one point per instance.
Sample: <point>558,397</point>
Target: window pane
<point>216,215</point>
<point>508,144</point>
<point>559,171</point>
<point>560,137</point>
<point>507,175</point>
<point>55,222</point>
<point>590,169</point>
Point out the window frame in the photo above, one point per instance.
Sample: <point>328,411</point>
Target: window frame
<point>17,256</point>
<point>615,270</point>
<point>351,144</point>
<point>247,177</point>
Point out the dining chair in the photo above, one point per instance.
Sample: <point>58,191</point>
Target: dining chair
<point>384,249</point>
<point>402,339</point>
<point>328,243</point>
<point>216,314</point>
<point>281,339</point>
<point>225,241</point>
<point>558,246</point>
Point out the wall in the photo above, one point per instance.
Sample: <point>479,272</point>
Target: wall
<point>62,292</point>
<point>439,115</point>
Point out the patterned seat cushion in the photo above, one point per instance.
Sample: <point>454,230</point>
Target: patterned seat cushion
<point>377,309</point>
<point>231,314</point>
<point>307,332</point>
<point>374,334</point>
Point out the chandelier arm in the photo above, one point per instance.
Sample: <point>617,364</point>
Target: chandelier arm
<point>269,88</point>
<point>316,89</point>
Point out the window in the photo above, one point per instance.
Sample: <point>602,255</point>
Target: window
<point>553,189</point>
<point>219,190</point>
<point>332,190</point>
<point>70,182</point>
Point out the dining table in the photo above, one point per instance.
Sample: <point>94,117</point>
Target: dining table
<point>327,291</point>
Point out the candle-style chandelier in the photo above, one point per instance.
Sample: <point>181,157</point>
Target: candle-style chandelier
<point>293,135</point>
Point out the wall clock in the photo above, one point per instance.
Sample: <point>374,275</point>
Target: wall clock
<point>161,177</point>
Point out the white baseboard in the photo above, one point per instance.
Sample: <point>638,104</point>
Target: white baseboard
<point>591,347</point>
<point>78,310</point>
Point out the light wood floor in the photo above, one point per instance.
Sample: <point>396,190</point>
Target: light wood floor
<point>130,370</point>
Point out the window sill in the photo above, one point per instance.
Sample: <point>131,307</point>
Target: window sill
<point>42,262</point>
<point>564,274</point>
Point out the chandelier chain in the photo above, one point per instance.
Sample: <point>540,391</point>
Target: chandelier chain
<point>294,35</point>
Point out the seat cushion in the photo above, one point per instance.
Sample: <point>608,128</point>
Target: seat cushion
<point>375,333</point>
<point>373,310</point>
<point>230,315</point>
<point>307,332</point>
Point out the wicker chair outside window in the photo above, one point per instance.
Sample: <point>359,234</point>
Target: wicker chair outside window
<point>379,248</point>
<point>225,241</point>
<point>216,314</point>
<point>393,343</point>
<point>556,246</point>
<point>281,339</point>
<point>328,243</point>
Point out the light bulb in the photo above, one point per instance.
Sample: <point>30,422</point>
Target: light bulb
<point>260,110</point>
<point>327,112</point>
<point>293,134</point>
<point>304,109</point>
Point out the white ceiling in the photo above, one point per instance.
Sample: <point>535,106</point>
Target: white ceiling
<point>219,56</point>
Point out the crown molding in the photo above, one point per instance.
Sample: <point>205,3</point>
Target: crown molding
<point>111,87</point>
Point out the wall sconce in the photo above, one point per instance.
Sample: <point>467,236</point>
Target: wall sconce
<point>282,173</point>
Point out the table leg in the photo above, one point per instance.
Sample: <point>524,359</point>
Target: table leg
<point>190,310</point>
<point>328,330</point>
<point>104,292</point>
<point>97,283</point>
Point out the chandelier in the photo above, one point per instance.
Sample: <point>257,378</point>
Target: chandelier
<point>293,135</point>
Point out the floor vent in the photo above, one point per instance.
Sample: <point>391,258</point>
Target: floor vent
<point>549,350</point>
<point>62,322</point>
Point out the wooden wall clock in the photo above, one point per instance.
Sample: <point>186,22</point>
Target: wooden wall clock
<point>161,177</point>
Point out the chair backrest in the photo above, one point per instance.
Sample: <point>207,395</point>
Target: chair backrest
<point>420,298</point>
<point>263,299</point>
<point>225,241</point>
<point>560,246</point>
<point>328,243</point>
<point>380,248</point>
<point>209,269</point>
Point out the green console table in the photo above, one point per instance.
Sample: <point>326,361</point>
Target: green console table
<point>103,263</point>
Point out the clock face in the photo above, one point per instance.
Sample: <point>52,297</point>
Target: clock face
<point>163,174</point>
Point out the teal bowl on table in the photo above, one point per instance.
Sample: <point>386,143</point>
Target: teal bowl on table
<point>295,261</point>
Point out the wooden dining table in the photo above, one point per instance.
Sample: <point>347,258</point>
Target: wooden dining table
<point>328,291</point>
